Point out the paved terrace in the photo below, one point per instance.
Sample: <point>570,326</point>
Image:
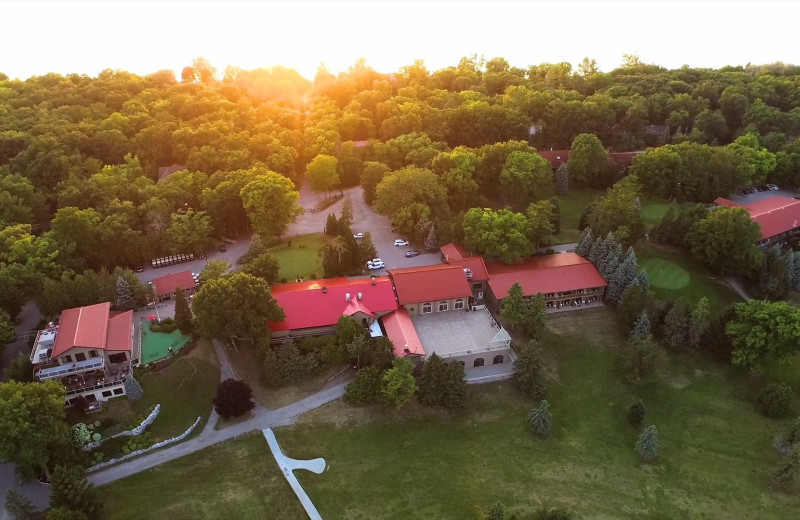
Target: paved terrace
<point>455,332</point>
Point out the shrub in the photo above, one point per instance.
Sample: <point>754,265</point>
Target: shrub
<point>234,398</point>
<point>365,388</point>
<point>553,513</point>
<point>636,412</point>
<point>81,433</point>
<point>284,280</point>
<point>166,326</point>
<point>647,444</point>
<point>96,437</point>
<point>774,400</point>
<point>789,438</point>
<point>541,420</point>
<point>549,251</point>
<point>786,471</point>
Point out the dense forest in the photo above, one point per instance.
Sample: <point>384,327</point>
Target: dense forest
<point>80,156</point>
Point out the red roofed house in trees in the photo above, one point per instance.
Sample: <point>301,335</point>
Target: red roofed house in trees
<point>89,351</point>
<point>778,217</point>
<point>474,267</point>
<point>164,287</point>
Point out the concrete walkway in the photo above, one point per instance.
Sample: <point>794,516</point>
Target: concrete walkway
<point>288,465</point>
<point>262,418</point>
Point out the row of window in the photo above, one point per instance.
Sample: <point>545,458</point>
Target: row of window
<point>91,398</point>
<point>80,356</point>
<point>479,362</point>
<point>443,305</point>
<point>567,293</point>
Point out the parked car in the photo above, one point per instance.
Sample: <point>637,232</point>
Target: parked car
<point>222,248</point>
<point>139,268</point>
<point>358,236</point>
<point>411,253</point>
<point>772,187</point>
<point>375,263</point>
<point>400,242</point>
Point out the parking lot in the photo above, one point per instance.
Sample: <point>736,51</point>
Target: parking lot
<point>752,197</point>
<point>231,255</point>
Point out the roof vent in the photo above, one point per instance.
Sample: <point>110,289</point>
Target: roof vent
<point>347,297</point>
<point>360,296</point>
<point>468,272</point>
<point>324,290</point>
<point>373,280</point>
<point>406,349</point>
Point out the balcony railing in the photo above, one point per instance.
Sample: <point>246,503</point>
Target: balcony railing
<point>77,367</point>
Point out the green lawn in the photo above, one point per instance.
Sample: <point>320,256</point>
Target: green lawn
<point>716,451</point>
<point>653,212</point>
<point>303,257</point>
<point>655,258</point>
<point>184,390</point>
<point>571,206</point>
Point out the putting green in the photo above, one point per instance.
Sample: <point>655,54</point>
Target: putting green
<point>665,274</point>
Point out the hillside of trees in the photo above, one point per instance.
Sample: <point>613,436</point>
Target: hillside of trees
<point>79,156</point>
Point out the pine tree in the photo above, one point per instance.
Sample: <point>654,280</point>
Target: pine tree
<point>555,218</point>
<point>785,473</point>
<point>528,374</point>
<point>497,512</point>
<point>596,251</point>
<point>19,506</point>
<point>641,328</point>
<point>585,243</point>
<point>132,388</point>
<point>562,180</point>
<point>455,386</point>
<point>431,391</point>
<point>643,280</point>
<point>623,277</point>
<point>183,315</point>
<point>676,325</point>
<point>636,412</point>
<point>367,247</point>
<point>796,272</point>
<point>432,241</point>
<point>647,444</point>
<point>331,225</point>
<point>611,262</point>
<point>346,216</point>
<point>512,312</point>
<point>774,279</point>
<point>541,420</point>
<point>69,489</point>
<point>125,299</point>
<point>698,321</point>
<point>789,259</point>
<point>602,253</point>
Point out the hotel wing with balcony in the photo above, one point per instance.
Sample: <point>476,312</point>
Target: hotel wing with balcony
<point>89,351</point>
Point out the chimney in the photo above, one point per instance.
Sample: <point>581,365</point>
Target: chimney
<point>406,349</point>
<point>347,297</point>
<point>360,296</point>
<point>373,280</point>
<point>324,290</point>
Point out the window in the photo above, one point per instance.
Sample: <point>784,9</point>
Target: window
<point>106,393</point>
<point>118,391</point>
<point>427,307</point>
<point>459,304</point>
<point>67,359</point>
<point>477,286</point>
<point>478,362</point>
<point>443,305</point>
<point>80,356</point>
<point>118,358</point>
<point>498,360</point>
<point>92,353</point>
<point>91,398</point>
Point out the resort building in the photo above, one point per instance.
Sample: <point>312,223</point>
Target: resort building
<point>90,351</point>
<point>778,218</point>
<point>473,265</point>
<point>164,287</point>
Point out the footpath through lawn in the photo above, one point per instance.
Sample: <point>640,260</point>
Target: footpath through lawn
<point>716,453</point>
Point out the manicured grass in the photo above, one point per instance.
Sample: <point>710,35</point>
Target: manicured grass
<point>184,390</point>
<point>303,257</point>
<point>716,451</point>
<point>157,345</point>
<point>572,205</point>
<point>665,274</point>
<point>653,212</point>
<point>654,258</point>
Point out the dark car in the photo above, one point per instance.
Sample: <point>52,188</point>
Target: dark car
<point>411,253</point>
<point>139,268</point>
<point>222,248</point>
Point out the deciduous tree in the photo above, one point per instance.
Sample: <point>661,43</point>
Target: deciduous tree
<point>399,385</point>
<point>588,161</point>
<point>265,266</point>
<point>271,203</point>
<point>214,269</point>
<point>676,325</point>
<point>322,173</point>
<point>725,241</point>
<point>234,398</point>
<point>763,331</point>
<point>540,219</point>
<point>499,234</point>
<point>20,369</point>
<point>525,176</point>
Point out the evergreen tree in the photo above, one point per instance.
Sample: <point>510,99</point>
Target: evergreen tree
<point>528,374</point>
<point>643,280</point>
<point>597,250</point>
<point>647,444</point>
<point>346,216</point>
<point>640,360</point>
<point>585,243</point>
<point>512,312</point>
<point>19,506</point>
<point>331,225</point>
<point>455,386</point>
<point>676,325</point>
<point>636,412</point>
<point>497,512</point>
<point>641,328</point>
<point>534,317</point>
<point>125,299</point>
<point>183,315</point>
<point>432,241</point>
<point>623,277</point>
<point>541,420</point>
<point>20,369</point>
<point>774,280</point>
<point>789,260</point>
<point>365,388</point>
<point>612,261</point>
<point>399,385</point>
<point>796,272</point>
<point>785,473</point>
<point>562,180</point>
<point>431,382</point>
<point>69,489</point>
<point>132,388</point>
<point>555,218</point>
<point>62,513</point>
<point>698,321</point>
<point>367,247</point>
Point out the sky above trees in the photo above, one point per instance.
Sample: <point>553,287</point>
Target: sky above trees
<point>146,36</point>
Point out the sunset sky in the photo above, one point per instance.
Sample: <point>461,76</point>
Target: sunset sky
<point>147,35</point>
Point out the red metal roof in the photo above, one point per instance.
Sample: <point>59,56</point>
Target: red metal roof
<point>775,215</point>
<point>402,333</point>
<point>120,332</point>
<point>306,305</point>
<point>430,283</point>
<point>82,327</point>
<point>556,157</point>
<point>622,158</point>
<point>452,251</point>
<point>455,254</point>
<point>721,201</point>
<point>167,284</point>
<point>545,274</point>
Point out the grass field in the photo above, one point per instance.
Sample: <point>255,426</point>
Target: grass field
<point>665,266</point>
<point>653,212</point>
<point>303,257</point>
<point>184,390</point>
<point>716,453</point>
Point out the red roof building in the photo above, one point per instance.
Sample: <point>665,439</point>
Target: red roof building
<point>564,279</point>
<point>455,254</point>
<point>555,157</point>
<point>430,283</point>
<point>91,327</point>
<point>165,286</point>
<point>778,217</point>
<point>318,304</point>
<point>400,330</point>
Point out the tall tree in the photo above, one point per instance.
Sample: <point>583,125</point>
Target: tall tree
<point>698,321</point>
<point>525,176</point>
<point>529,371</point>
<point>322,173</point>
<point>455,386</point>
<point>512,312</point>
<point>399,385</point>
<point>556,218</point>
<point>561,180</point>
<point>725,241</point>
<point>676,325</point>
<point>763,331</point>
<point>540,218</point>
<point>20,369</point>
<point>183,316</point>
<point>214,269</point>
<point>19,506</point>
<point>541,420</point>
<point>236,306</point>
<point>619,212</point>
<point>70,490</point>
<point>265,266</point>
<point>271,203</point>
<point>431,382</point>
<point>189,232</point>
<point>125,300</point>
<point>588,161</point>
<point>500,234</point>
<point>647,444</point>
<point>623,277</point>
<point>641,329</point>
<point>585,243</point>
<point>432,241</point>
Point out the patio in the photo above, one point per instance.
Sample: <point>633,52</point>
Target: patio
<point>457,332</point>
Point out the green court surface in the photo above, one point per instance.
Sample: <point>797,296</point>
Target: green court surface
<point>665,274</point>
<point>157,345</point>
